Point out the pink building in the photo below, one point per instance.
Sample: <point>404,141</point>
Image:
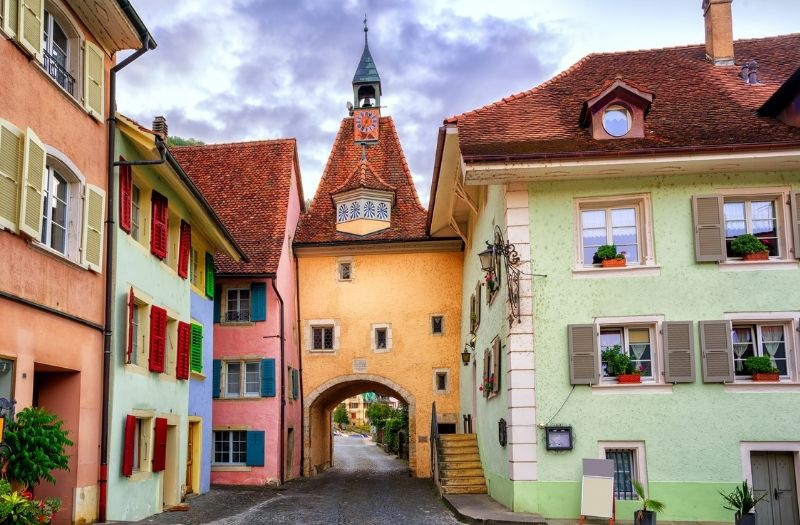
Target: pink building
<point>255,188</point>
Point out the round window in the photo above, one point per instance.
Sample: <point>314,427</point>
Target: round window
<point>616,121</point>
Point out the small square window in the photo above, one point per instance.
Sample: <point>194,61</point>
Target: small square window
<point>622,221</point>
<point>345,271</point>
<point>322,337</point>
<point>624,472</point>
<point>441,381</point>
<point>437,324</point>
<point>380,338</point>
<point>238,305</point>
<point>230,447</point>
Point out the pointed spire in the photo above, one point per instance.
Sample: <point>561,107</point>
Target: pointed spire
<point>366,72</point>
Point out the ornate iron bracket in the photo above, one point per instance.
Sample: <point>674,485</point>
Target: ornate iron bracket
<point>490,262</point>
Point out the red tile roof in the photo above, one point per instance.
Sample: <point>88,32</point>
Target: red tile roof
<point>248,185</point>
<point>386,159</point>
<point>363,177</point>
<point>695,104</point>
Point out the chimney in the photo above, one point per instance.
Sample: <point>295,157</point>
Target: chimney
<point>719,31</point>
<point>160,127</point>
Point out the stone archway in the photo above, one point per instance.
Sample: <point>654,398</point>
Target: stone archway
<point>319,404</point>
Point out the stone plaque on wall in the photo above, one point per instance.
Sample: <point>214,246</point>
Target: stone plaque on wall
<point>359,366</point>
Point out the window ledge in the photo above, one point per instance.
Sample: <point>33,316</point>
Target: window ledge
<point>633,388</point>
<point>139,475</point>
<point>248,398</point>
<point>237,323</point>
<point>322,352</point>
<point>750,387</point>
<point>197,375</point>
<point>745,266</point>
<point>627,271</point>
<point>230,468</point>
<point>56,255</point>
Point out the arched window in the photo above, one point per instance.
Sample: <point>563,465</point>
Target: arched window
<point>61,48</point>
<point>62,212</point>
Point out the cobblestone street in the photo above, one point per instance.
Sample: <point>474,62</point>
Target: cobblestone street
<point>366,487</point>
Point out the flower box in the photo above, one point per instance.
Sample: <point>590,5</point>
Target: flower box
<point>756,256</point>
<point>613,263</point>
<point>766,377</point>
<point>629,378</point>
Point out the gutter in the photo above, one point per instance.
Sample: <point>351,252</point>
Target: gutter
<point>300,367</point>
<point>281,445</point>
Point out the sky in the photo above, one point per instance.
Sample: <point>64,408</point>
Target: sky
<point>237,70</point>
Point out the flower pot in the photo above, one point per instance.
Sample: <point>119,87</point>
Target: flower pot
<point>756,256</point>
<point>766,377</point>
<point>746,519</point>
<point>629,378</point>
<point>613,263</point>
<point>644,517</point>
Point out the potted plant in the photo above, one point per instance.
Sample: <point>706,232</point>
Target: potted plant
<point>750,248</point>
<point>619,365</point>
<point>647,514</point>
<point>741,501</point>
<point>488,385</point>
<point>761,368</point>
<point>608,256</point>
<point>491,284</point>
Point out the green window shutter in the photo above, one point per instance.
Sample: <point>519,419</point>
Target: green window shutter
<point>30,32</point>
<point>258,302</point>
<point>33,181</point>
<point>210,275</point>
<point>583,356</point>
<point>10,16</point>
<point>717,351</point>
<point>796,223</point>
<point>678,351</point>
<point>10,171</point>
<point>268,378</point>
<point>217,304</point>
<point>94,76</point>
<point>255,448</point>
<point>216,384</point>
<point>196,352</point>
<point>709,228</point>
<point>93,214</point>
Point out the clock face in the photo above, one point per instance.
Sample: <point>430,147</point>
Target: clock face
<point>366,121</point>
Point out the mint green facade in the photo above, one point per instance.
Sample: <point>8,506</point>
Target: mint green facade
<point>692,433</point>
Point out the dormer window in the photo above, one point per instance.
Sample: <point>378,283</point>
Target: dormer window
<point>617,111</point>
<point>617,121</point>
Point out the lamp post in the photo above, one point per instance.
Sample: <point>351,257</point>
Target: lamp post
<point>469,346</point>
<point>490,259</point>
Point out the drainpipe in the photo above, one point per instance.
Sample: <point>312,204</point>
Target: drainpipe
<point>147,44</point>
<point>300,368</point>
<point>281,446</point>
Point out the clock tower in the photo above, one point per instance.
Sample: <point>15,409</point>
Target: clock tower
<point>366,97</point>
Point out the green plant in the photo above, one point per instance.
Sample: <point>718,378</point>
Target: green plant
<point>378,413</point>
<point>747,243</point>
<point>760,365</point>
<point>340,415</point>
<point>741,500</point>
<point>20,507</point>
<point>38,446</point>
<point>617,362</point>
<point>647,503</point>
<point>608,251</point>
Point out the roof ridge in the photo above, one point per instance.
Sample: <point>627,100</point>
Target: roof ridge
<point>256,142</point>
<point>406,169</point>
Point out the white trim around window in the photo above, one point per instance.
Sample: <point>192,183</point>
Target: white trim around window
<point>381,337</point>
<point>640,459</point>
<point>790,322</point>
<point>345,269</point>
<point>631,328</point>
<point>308,335</point>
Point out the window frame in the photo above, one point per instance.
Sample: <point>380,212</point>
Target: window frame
<point>48,220</point>
<point>57,162</point>
<point>375,330</point>
<point>655,323</point>
<point>143,442</point>
<point>308,340</point>
<point>639,461</point>
<point>243,392</point>
<point>440,317</point>
<point>789,324</point>
<point>655,369</point>
<point>239,311</point>
<point>136,210</point>
<point>780,198</point>
<point>75,43</point>
<point>441,372</point>
<point>341,263</point>
<point>230,452</point>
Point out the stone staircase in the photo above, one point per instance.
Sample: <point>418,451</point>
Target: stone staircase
<point>460,470</point>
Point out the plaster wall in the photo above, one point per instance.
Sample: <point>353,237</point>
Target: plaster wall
<point>401,289</point>
<point>202,311</point>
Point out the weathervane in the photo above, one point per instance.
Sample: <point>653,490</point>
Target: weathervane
<point>366,29</point>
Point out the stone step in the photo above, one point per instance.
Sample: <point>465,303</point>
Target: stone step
<point>458,444</point>
<point>470,481</point>
<point>460,472</point>
<point>444,465</point>
<point>466,456</point>
<point>464,490</point>
<point>458,437</point>
<point>457,451</point>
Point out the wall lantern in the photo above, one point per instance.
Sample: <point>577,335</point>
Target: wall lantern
<point>470,346</point>
<point>490,263</point>
<point>502,432</point>
<point>558,438</point>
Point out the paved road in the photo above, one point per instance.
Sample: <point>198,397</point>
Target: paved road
<point>367,487</point>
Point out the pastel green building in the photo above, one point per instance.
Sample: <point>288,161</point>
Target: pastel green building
<point>670,169</point>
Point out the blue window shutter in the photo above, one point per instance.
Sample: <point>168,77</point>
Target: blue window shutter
<point>267,378</point>
<point>295,383</point>
<point>255,448</point>
<point>217,303</point>
<point>216,387</point>
<point>258,302</point>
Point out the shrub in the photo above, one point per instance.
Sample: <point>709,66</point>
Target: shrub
<point>617,362</point>
<point>607,251</point>
<point>741,500</point>
<point>37,446</point>
<point>747,243</point>
<point>20,507</point>
<point>760,365</point>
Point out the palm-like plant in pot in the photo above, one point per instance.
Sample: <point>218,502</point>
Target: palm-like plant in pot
<point>647,514</point>
<point>742,501</point>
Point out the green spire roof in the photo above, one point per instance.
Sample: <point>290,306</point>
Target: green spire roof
<point>366,72</point>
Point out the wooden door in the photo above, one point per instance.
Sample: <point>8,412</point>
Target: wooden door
<point>190,458</point>
<point>773,475</point>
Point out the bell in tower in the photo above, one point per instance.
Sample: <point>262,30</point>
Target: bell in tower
<point>366,82</point>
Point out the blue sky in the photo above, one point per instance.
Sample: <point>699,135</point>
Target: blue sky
<point>233,70</point>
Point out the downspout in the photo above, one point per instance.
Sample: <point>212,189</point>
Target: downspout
<point>300,367</point>
<point>281,445</point>
<point>147,44</point>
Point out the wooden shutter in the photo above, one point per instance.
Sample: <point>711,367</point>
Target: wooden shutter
<point>496,364</point>
<point>94,79</point>
<point>10,171</point>
<point>678,351</point>
<point>295,383</point>
<point>131,320</point>
<point>34,176</point>
<point>217,303</point>
<point>487,357</point>
<point>127,449</point>
<point>717,351</point>
<point>160,445</point>
<point>709,228</point>
<point>30,31</point>
<point>196,359</point>
<point>10,16</point>
<point>210,289</point>
<point>93,216</point>
<point>796,223</point>
<point>158,338</point>
<point>185,249</point>
<point>258,302</point>
<point>477,306</point>
<point>255,448</point>
<point>125,183</point>
<point>268,378</point>
<point>583,361</point>
<point>184,342</point>
<point>159,225</point>
<point>216,383</point>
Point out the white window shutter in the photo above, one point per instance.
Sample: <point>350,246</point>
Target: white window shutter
<point>93,216</point>
<point>93,79</point>
<point>33,181</point>
<point>10,17</point>
<point>10,170</point>
<point>30,32</point>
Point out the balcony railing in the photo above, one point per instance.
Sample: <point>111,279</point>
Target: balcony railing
<point>237,316</point>
<point>59,73</point>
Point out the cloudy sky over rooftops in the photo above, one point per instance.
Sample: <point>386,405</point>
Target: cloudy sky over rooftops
<point>234,70</point>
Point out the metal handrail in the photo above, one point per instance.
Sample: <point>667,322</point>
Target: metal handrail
<point>59,73</point>
<point>434,440</point>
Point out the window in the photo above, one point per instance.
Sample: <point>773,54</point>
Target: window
<point>345,271</point>
<point>768,339</point>
<point>491,369</point>
<point>135,211</point>
<point>437,324</point>
<point>621,221</point>
<point>616,121</point>
<point>633,341</point>
<point>135,344</point>
<point>56,53</point>
<point>7,374</point>
<point>353,405</point>
<point>230,447</point>
<point>55,211</point>
<point>195,268</point>
<point>440,381</point>
<point>380,338</point>
<point>624,472</point>
<point>238,309</point>
<point>138,448</point>
<point>242,379</point>
<point>323,337</point>
<point>755,216</point>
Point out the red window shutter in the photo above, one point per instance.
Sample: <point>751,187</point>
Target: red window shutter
<point>125,182</point>
<point>184,344</point>
<point>160,445</point>
<point>158,338</point>
<point>131,309</point>
<point>185,248</point>
<point>127,451</point>
<point>159,226</point>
